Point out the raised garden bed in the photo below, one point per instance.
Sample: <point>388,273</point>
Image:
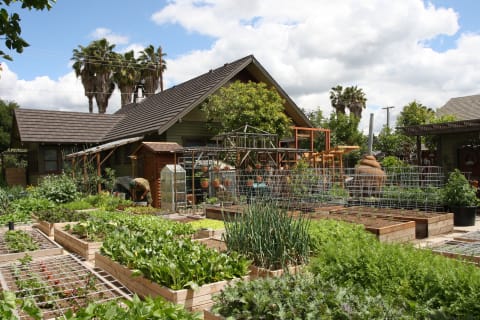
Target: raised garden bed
<point>85,249</point>
<point>427,223</point>
<point>386,230</point>
<point>57,284</point>
<point>218,213</point>
<point>256,272</point>
<point>46,247</point>
<point>473,236</point>
<point>459,250</point>
<point>192,300</point>
<point>214,243</point>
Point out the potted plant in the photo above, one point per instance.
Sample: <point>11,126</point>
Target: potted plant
<point>216,183</point>
<point>204,183</point>
<point>461,198</point>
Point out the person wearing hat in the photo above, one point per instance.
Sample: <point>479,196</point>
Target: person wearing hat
<point>141,186</point>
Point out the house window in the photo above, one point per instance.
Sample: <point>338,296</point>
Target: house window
<point>51,160</point>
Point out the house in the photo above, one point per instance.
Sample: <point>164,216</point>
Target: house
<point>169,116</point>
<point>458,142</point>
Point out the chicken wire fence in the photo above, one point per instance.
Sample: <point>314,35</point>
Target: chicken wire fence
<point>413,187</point>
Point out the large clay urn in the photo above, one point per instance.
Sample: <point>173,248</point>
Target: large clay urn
<point>369,177</point>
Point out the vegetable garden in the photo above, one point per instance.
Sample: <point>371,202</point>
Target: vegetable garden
<point>147,266</point>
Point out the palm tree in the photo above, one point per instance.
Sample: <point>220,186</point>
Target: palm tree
<point>126,75</point>
<point>94,65</point>
<point>351,98</point>
<point>85,70</point>
<point>153,67</point>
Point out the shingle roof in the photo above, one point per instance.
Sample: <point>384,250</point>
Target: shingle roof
<point>63,127</point>
<point>156,114</point>
<point>160,111</point>
<point>464,108</point>
<point>160,147</point>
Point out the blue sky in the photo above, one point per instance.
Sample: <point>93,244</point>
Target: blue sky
<point>396,51</point>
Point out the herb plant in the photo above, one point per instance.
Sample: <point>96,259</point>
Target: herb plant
<point>269,236</point>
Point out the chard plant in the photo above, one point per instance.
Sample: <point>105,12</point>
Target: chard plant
<point>269,236</point>
<point>173,262</point>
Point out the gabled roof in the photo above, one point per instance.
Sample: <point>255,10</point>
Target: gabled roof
<point>464,108</point>
<point>159,112</point>
<point>63,127</point>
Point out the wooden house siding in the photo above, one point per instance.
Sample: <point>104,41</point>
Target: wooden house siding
<point>186,131</point>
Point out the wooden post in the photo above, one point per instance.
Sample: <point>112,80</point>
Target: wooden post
<point>99,173</point>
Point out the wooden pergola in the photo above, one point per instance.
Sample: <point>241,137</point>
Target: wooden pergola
<point>90,155</point>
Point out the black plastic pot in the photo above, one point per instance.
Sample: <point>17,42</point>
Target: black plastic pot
<point>464,216</point>
<point>11,225</point>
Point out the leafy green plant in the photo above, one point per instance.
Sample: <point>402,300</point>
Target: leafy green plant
<point>458,191</point>
<point>171,261</point>
<point>61,214</point>
<point>270,237</point>
<point>9,304</point>
<point>303,296</point>
<point>149,308</point>
<point>79,204</point>
<point>19,241</point>
<point>207,224</point>
<point>58,188</point>
<point>107,202</point>
<point>431,285</point>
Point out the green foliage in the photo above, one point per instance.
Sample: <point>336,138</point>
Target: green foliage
<point>106,201</point>
<point>344,130</point>
<point>303,296</point>
<point>170,261</point>
<point>19,241</point>
<point>149,308</point>
<point>6,117</point>
<point>429,284</point>
<point>458,191</point>
<point>9,303</point>
<point>391,163</point>
<point>109,179</point>
<point>58,188</point>
<point>413,114</point>
<point>393,143</point>
<point>238,104</point>
<point>80,204</point>
<point>270,237</point>
<point>10,29</point>
<point>30,205</point>
<point>4,201</point>
<point>207,224</point>
<point>61,214</point>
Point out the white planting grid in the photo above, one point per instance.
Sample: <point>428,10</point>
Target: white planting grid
<point>58,284</point>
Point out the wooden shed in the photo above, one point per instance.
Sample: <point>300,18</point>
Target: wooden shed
<point>149,159</point>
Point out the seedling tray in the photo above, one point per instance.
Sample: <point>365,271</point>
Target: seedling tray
<point>459,250</point>
<point>46,246</point>
<point>58,284</point>
<point>473,236</point>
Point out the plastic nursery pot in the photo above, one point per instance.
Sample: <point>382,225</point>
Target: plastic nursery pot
<point>11,225</point>
<point>464,216</point>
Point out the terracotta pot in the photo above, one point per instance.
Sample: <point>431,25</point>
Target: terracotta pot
<point>258,165</point>
<point>204,168</point>
<point>204,184</point>
<point>259,178</point>
<point>216,183</point>
<point>227,182</point>
<point>249,183</point>
<point>249,169</point>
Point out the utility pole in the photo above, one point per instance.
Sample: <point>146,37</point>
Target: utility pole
<point>388,115</point>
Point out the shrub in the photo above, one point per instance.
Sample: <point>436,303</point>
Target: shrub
<point>58,188</point>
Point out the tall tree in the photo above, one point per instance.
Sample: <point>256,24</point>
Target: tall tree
<point>126,75</point>
<point>249,103</point>
<point>6,116</point>
<point>415,113</point>
<point>153,67</point>
<point>85,69</point>
<point>10,29</point>
<point>93,64</point>
<point>351,98</point>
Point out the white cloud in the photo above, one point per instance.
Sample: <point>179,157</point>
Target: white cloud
<point>308,46</point>
<point>108,34</point>
<point>65,93</point>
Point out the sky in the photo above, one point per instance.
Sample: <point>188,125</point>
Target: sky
<point>395,51</point>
